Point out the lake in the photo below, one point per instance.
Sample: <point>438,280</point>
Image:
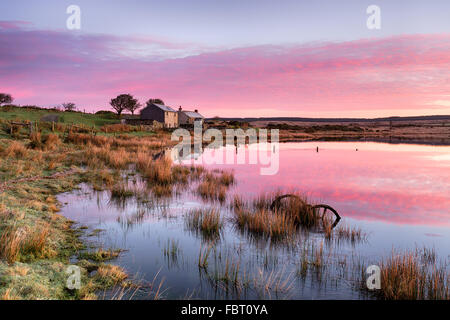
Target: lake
<point>398,194</point>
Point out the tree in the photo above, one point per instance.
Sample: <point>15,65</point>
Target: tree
<point>124,102</point>
<point>69,106</point>
<point>157,101</point>
<point>133,107</point>
<point>5,98</point>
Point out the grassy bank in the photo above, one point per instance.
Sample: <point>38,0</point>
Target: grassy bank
<point>14,113</point>
<point>36,243</point>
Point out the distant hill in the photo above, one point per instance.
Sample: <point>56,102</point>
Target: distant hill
<point>298,119</point>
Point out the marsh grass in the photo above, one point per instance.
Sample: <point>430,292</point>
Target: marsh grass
<point>203,256</point>
<point>353,234</point>
<point>31,233</point>
<point>290,213</point>
<point>411,275</point>
<point>207,222</point>
<point>215,184</point>
<point>210,191</point>
<point>110,275</point>
<point>263,222</point>
<point>232,278</point>
<point>15,150</point>
<point>101,255</point>
<point>278,283</point>
<point>172,252</point>
<point>225,273</point>
<point>23,244</point>
<point>257,216</point>
<point>343,233</point>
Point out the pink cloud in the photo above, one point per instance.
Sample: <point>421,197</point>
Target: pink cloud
<point>49,67</point>
<point>13,24</point>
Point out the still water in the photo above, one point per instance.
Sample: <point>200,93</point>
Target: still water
<point>399,195</point>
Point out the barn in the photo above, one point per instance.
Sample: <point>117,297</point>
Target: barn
<point>161,113</point>
<point>186,117</point>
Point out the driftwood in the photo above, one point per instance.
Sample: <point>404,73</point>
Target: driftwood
<point>317,208</point>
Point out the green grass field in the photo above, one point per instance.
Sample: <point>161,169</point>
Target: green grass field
<point>66,119</point>
<point>12,113</point>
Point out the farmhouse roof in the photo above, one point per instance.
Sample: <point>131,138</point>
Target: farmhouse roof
<point>163,107</point>
<point>193,114</point>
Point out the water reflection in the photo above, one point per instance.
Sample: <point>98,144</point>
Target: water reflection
<point>397,194</point>
<point>403,184</point>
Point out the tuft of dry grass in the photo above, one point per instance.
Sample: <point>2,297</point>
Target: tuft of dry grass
<point>258,217</point>
<point>17,243</point>
<point>121,191</point>
<point>206,221</point>
<point>16,150</point>
<point>10,244</point>
<point>110,275</point>
<point>404,276</point>
<point>84,139</point>
<point>222,177</point>
<point>296,208</point>
<point>162,190</point>
<point>159,172</point>
<point>101,255</point>
<point>212,191</point>
<point>352,234</point>
<point>8,295</point>
<point>264,222</point>
<point>119,127</point>
<point>51,141</point>
<point>19,270</point>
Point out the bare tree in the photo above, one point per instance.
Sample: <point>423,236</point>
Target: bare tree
<point>133,107</point>
<point>123,102</point>
<point>5,98</point>
<point>69,106</point>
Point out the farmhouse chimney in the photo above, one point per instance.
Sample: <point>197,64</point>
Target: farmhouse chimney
<point>196,110</point>
<point>179,109</point>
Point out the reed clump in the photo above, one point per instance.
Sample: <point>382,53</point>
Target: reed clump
<point>208,222</point>
<point>21,244</point>
<point>121,191</point>
<point>101,255</point>
<point>215,184</point>
<point>405,276</point>
<point>16,150</point>
<point>259,216</point>
<point>296,207</point>
<point>159,172</point>
<point>110,275</point>
<point>211,191</point>
<point>265,223</point>
<point>349,233</point>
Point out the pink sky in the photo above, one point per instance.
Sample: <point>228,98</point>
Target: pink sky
<point>400,75</point>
